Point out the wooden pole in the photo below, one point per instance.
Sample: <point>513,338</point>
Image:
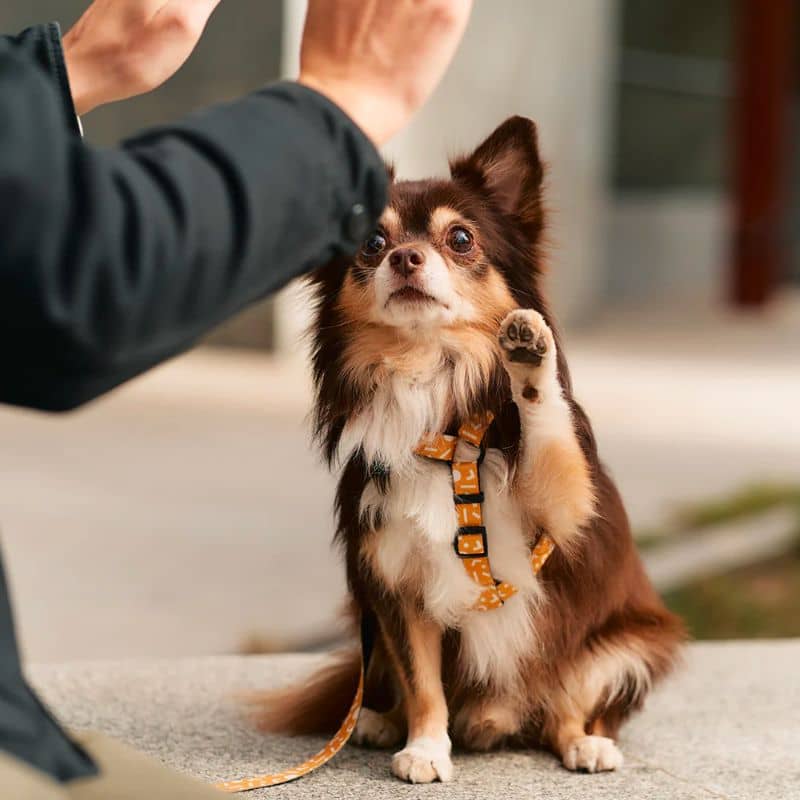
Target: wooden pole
<point>763,68</point>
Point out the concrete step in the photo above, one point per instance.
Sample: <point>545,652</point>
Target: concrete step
<point>726,725</point>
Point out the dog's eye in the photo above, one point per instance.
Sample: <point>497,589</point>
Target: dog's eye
<point>374,245</point>
<point>459,240</point>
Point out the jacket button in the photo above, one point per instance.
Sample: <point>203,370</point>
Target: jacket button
<point>357,224</point>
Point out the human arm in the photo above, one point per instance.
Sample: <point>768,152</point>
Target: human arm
<point>111,261</point>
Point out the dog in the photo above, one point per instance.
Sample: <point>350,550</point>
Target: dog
<point>440,319</point>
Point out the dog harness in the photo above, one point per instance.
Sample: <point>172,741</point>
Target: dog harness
<point>470,545</point>
<point>470,542</point>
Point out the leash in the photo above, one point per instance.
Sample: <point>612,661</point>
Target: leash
<point>339,740</point>
<point>470,545</point>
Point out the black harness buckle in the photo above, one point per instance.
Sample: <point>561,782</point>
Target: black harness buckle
<point>472,530</point>
<point>463,499</point>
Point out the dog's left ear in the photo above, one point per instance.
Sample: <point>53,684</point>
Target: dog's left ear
<point>507,167</point>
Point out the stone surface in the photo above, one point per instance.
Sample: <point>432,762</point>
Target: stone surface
<point>727,725</point>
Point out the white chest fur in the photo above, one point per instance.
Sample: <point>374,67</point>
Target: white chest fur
<point>418,525</point>
<point>415,545</point>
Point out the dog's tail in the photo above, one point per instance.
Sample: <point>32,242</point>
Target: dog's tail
<point>317,705</point>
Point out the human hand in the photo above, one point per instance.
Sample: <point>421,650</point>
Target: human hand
<point>380,60</point>
<point>121,48</point>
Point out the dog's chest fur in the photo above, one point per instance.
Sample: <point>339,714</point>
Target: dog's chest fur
<point>414,524</point>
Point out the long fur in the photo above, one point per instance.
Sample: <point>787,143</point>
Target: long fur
<point>316,705</point>
<point>564,663</point>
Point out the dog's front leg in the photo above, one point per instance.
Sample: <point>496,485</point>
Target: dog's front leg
<point>553,481</point>
<point>415,647</point>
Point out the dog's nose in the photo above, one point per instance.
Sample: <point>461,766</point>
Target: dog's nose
<point>406,260</point>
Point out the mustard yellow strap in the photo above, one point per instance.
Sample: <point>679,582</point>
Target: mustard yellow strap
<point>438,446</point>
<point>442,446</point>
<point>541,552</point>
<point>470,544</point>
<point>474,429</point>
<point>339,740</point>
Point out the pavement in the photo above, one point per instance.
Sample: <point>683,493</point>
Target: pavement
<point>174,517</point>
<point>724,726</point>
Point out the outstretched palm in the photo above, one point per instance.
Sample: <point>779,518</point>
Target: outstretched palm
<point>121,48</point>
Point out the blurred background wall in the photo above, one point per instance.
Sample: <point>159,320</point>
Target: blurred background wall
<point>637,109</point>
<point>556,67</point>
<point>177,515</point>
<point>640,109</point>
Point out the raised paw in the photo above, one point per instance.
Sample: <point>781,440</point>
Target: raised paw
<point>424,761</point>
<point>529,353</point>
<point>592,754</point>
<point>375,730</point>
<point>525,337</point>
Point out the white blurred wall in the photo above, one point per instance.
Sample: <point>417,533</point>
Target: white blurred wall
<point>668,248</point>
<point>546,60</point>
<point>551,62</point>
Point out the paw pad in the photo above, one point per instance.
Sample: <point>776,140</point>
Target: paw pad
<point>525,337</point>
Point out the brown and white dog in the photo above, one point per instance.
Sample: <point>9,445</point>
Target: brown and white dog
<point>432,322</point>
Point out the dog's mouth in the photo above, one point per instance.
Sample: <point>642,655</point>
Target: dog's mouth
<point>410,294</point>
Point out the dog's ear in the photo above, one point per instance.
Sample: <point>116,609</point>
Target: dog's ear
<point>390,170</point>
<point>507,167</point>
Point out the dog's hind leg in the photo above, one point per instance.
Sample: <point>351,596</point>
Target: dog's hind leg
<point>379,728</point>
<point>381,722</point>
<point>605,675</point>
<point>484,724</point>
<point>593,694</point>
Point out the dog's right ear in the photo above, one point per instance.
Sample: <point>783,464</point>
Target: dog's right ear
<point>506,166</point>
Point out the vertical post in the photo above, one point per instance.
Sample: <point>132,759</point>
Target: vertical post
<point>292,309</point>
<point>553,62</point>
<point>760,147</point>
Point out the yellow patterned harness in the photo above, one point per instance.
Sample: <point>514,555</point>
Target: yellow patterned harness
<point>471,546</point>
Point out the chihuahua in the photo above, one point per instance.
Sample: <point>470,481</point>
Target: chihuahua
<point>438,321</point>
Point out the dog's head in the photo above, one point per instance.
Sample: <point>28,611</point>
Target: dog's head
<point>446,263</point>
<point>456,252</point>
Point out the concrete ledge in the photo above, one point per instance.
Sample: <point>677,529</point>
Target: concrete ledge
<point>728,725</point>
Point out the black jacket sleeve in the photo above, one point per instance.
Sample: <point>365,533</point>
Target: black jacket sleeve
<point>42,45</point>
<point>114,260</point>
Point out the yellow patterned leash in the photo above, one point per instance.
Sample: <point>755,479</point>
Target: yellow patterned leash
<point>339,740</point>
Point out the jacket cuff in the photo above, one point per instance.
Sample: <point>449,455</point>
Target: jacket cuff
<point>43,44</point>
<point>359,167</point>
<point>341,182</point>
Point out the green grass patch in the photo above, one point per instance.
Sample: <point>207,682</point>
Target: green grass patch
<point>754,499</point>
<point>692,520</point>
<point>758,601</point>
